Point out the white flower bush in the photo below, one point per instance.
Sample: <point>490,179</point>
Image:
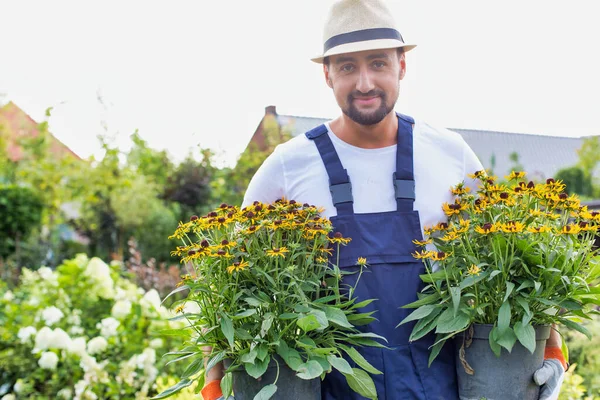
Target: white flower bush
<point>82,332</point>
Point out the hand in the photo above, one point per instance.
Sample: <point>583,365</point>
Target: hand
<point>549,377</point>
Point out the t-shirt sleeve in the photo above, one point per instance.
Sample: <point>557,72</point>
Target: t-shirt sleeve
<point>471,165</point>
<point>268,183</point>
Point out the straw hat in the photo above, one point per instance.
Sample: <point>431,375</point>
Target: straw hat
<point>357,25</point>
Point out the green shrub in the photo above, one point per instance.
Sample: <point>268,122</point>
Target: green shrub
<point>20,213</point>
<point>81,331</point>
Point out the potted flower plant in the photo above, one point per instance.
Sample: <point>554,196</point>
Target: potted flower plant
<point>268,303</point>
<point>512,260</point>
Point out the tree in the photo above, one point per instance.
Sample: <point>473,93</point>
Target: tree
<point>576,180</point>
<point>153,164</point>
<point>589,154</point>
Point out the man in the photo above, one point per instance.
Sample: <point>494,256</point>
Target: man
<point>381,178</point>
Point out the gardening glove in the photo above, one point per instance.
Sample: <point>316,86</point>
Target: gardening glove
<point>550,376</point>
<point>212,391</point>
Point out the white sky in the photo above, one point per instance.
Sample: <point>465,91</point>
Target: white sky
<point>189,73</point>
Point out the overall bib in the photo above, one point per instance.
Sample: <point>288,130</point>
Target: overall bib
<point>392,277</point>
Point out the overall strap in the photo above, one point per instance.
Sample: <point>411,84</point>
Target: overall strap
<point>404,177</point>
<point>339,181</point>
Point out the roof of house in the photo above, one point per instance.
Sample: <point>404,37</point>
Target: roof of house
<point>541,156</point>
<point>15,123</point>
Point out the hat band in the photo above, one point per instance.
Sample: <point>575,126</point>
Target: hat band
<point>361,36</point>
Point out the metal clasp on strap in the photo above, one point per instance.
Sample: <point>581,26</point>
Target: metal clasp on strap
<point>405,189</point>
<point>341,193</point>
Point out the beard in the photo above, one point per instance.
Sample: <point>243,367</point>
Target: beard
<point>370,117</point>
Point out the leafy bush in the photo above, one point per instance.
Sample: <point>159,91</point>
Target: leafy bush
<point>81,332</point>
<point>20,213</point>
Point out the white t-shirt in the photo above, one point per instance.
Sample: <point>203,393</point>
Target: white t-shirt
<point>441,159</point>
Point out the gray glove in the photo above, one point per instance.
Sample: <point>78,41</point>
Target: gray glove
<point>223,398</point>
<point>550,378</point>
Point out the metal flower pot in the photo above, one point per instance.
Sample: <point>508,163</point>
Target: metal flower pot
<point>289,386</point>
<point>508,377</point>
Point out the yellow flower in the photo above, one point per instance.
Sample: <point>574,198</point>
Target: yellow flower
<point>464,226</point>
<point>453,209</point>
<point>512,227</point>
<point>515,175</point>
<point>422,242</point>
<point>473,270</point>
<point>478,175</point>
<point>539,229</point>
<point>450,236</point>
<point>441,226</point>
<point>277,252</point>
<point>422,254</point>
<point>237,266</point>
<point>179,309</point>
<point>438,255</point>
<point>570,230</point>
<point>536,213</point>
<point>586,227</point>
<point>361,261</point>
<point>486,228</point>
<point>495,188</point>
<point>338,238</point>
<point>460,189</point>
<point>321,259</point>
<point>552,215</point>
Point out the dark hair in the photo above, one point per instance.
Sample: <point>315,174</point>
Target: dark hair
<point>399,50</point>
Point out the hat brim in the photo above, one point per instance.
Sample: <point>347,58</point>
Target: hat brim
<point>362,46</point>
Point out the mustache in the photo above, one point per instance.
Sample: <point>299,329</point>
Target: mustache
<point>370,93</point>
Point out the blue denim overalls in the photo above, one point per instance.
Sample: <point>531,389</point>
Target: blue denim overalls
<point>392,277</point>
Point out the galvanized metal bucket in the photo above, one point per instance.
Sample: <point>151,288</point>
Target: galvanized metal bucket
<point>508,377</point>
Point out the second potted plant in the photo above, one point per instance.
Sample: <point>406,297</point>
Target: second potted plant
<point>512,260</point>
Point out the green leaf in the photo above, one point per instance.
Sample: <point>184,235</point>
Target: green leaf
<point>527,284</point>
<point>360,361</point>
<point>448,323</point>
<point>258,368</point>
<point>473,279</point>
<point>503,318</point>
<point>321,318</point>
<point>290,355</point>
<point>419,313</point>
<point>266,392</point>
<point>322,360</point>
<point>215,360</point>
<point>493,339</point>
<point>455,292</point>
<point>493,274</point>
<point>340,364</point>
<point>227,329</point>
<point>362,304</point>
<point>574,325</point>
<point>174,389</point>
<point>253,302</point>
<point>435,350</point>
<point>244,314</point>
<point>309,370</point>
<point>243,334</point>
<point>266,325</point>
<point>249,356</point>
<point>285,316</point>
<point>509,288</point>
<point>177,290</point>
<point>227,384</point>
<point>337,316</point>
<point>194,367</point>
<point>526,335</point>
<point>507,339</point>
<point>429,299</point>
<point>361,383</point>
<point>308,323</point>
<point>425,325</point>
<point>435,276</point>
<point>262,351</point>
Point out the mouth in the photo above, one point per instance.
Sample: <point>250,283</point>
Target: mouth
<point>365,101</point>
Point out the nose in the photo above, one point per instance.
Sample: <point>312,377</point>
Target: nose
<point>365,81</point>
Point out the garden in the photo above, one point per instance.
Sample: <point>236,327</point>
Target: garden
<point>92,291</point>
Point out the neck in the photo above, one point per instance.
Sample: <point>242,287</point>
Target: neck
<point>382,134</point>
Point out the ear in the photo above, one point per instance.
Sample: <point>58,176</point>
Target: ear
<point>327,77</point>
<point>402,62</point>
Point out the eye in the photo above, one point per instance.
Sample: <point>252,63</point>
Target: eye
<point>347,68</point>
<point>379,64</point>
